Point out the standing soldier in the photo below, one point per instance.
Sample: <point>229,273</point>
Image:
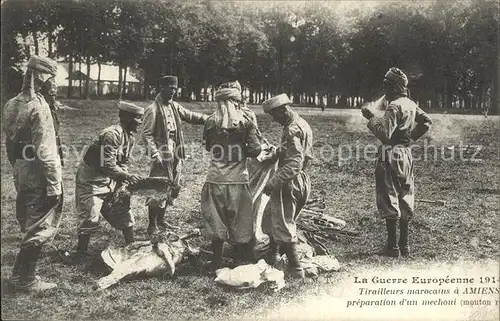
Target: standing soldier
<point>402,123</point>
<point>103,166</point>
<point>162,134</point>
<point>32,151</point>
<point>226,200</point>
<point>290,185</point>
<point>49,93</point>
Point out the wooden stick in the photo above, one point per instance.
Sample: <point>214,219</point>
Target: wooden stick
<point>438,202</point>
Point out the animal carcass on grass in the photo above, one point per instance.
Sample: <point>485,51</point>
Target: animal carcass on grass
<point>146,258</point>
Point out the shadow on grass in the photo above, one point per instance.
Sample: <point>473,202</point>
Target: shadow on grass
<point>492,191</point>
<point>7,289</point>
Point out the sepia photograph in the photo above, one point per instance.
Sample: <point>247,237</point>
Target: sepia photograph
<point>250,160</point>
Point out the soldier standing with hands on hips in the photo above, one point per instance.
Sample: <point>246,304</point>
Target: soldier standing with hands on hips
<point>402,123</point>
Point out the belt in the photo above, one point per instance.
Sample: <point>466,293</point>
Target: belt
<point>24,151</point>
<point>401,144</point>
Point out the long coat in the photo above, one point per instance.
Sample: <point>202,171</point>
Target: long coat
<point>160,140</point>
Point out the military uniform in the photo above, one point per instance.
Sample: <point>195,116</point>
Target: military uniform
<point>291,183</point>
<point>162,135</point>
<point>394,168</point>
<point>32,151</point>
<point>402,123</point>
<point>226,198</point>
<point>104,163</point>
<point>290,186</point>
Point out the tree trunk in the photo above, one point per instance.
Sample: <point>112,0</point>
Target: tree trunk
<point>197,93</point>
<point>145,86</point>
<point>99,90</point>
<point>27,49</point>
<point>50,49</point>
<point>35,41</point>
<point>124,87</point>
<point>481,96</point>
<point>80,76</point>
<point>280,68</point>
<point>120,82</point>
<point>70,76</point>
<point>171,62</point>
<point>87,89</point>
<point>494,101</point>
<point>434,100</point>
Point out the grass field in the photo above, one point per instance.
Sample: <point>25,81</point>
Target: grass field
<point>465,229</point>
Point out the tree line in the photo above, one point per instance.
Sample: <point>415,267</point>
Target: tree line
<point>310,50</point>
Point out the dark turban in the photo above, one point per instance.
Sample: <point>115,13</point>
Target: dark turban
<point>397,82</point>
<point>397,76</point>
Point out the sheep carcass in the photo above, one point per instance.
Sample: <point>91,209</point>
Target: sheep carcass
<point>146,258</point>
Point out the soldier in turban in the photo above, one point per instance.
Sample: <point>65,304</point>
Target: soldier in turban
<point>290,186</point>
<point>162,134</point>
<point>32,151</point>
<point>402,123</point>
<point>226,200</point>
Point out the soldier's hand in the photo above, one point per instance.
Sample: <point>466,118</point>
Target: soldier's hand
<point>175,191</point>
<point>133,179</point>
<point>158,160</point>
<point>53,200</point>
<point>367,113</point>
<point>268,189</point>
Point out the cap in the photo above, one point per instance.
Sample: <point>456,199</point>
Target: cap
<point>168,80</point>
<point>133,109</point>
<point>275,102</point>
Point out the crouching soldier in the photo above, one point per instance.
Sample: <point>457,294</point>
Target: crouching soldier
<point>226,200</point>
<point>103,166</point>
<point>403,122</point>
<point>32,151</point>
<point>290,186</point>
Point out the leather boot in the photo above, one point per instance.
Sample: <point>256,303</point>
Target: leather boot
<point>16,271</point>
<point>153,216</point>
<point>295,268</point>
<point>83,243</point>
<point>216,246</point>
<point>128,234</point>
<point>391,249</point>
<point>274,252</point>
<point>28,280</point>
<point>404,247</point>
<point>243,253</point>
<point>81,253</point>
<point>162,225</point>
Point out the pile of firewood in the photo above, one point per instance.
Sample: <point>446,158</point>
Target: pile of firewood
<point>317,228</point>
